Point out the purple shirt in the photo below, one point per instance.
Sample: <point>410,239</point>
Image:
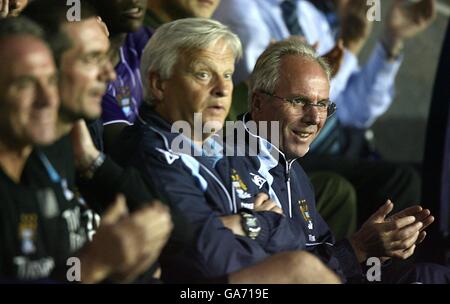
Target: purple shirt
<point>124,95</point>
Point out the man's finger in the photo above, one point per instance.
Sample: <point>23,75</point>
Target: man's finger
<point>116,211</point>
<point>407,212</point>
<point>420,216</point>
<point>399,223</point>
<point>404,254</point>
<point>4,8</point>
<point>260,199</point>
<point>267,205</point>
<point>382,212</point>
<point>277,209</point>
<point>405,243</point>
<point>427,222</point>
<point>406,232</point>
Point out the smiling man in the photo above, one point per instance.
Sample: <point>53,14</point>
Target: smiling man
<point>43,223</point>
<point>187,68</point>
<point>84,68</point>
<point>303,108</point>
<point>290,85</point>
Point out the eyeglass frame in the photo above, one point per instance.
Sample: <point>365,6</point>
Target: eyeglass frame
<point>331,107</point>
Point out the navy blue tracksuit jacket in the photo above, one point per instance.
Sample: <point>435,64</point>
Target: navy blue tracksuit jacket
<point>192,185</point>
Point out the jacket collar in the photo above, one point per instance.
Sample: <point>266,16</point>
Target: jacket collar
<point>176,142</point>
<point>266,151</point>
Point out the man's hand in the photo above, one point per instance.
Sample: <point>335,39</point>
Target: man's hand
<point>126,245</point>
<point>264,203</point>
<point>405,20</point>
<point>355,26</point>
<point>84,149</point>
<point>395,236</point>
<point>421,215</point>
<point>234,223</point>
<point>335,57</point>
<point>261,203</point>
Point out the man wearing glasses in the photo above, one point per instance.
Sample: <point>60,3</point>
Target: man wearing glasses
<point>290,87</point>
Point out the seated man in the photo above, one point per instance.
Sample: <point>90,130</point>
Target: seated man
<point>362,94</point>
<point>333,191</point>
<point>185,76</point>
<point>81,48</point>
<point>187,67</point>
<point>128,37</point>
<point>290,89</point>
<point>43,222</point>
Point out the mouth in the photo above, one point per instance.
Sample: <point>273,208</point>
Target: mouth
<point>303,135</point>
<point>206,2</point>
<point>217,107</point>
<point>134,13</point>
<point>98,91</point>
<point>44,117</point>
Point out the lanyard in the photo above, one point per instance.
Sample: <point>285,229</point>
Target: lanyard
<point>54,176</point>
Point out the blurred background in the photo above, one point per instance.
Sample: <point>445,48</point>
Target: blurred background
<point>400,133</point>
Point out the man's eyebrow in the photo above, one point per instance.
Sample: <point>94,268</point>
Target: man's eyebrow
<point>206,63</point>
<point>94,53</point>
<point>200,62</point>
<point>309,100</point>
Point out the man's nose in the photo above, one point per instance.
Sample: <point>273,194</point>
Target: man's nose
<point>107,73</point>
<point>222,87</point>
<point>311,115</point>
<point>46,95</point>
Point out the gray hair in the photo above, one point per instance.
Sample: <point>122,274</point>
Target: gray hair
<point>162,51</point>
<point>266,73</point>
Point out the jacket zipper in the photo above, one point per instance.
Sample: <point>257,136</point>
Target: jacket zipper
<point>288,184</point>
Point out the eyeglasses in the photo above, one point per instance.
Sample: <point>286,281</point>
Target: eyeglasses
<point>300,104</point>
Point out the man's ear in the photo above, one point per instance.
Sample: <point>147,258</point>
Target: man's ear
<point>256,101</point>
<point>156,85</point>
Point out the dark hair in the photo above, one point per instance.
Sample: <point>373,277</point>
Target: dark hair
<point>51,15</point>
<point>20,26</point>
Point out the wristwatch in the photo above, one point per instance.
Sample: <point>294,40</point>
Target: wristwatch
<point>250,224</point>
<point>97,163</point>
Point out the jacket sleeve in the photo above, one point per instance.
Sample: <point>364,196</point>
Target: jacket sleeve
<point>111,179</point>
<point>278,234</point>
<point>338,255</point>
<point>215,250</point>
<point>365,94</point>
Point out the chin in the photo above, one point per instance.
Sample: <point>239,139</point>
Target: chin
<point>212,125</point>
<point>296,152</point>
<point>92,114</point>
<point>44,138</point>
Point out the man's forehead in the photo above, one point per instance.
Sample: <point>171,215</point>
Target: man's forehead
<point>299,76</point>
<point>17,50</point>
<point>211,55</point>
<point>87,33</point>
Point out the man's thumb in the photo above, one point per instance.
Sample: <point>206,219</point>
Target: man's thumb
<point>382,212</point>
<point>117,210</point>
